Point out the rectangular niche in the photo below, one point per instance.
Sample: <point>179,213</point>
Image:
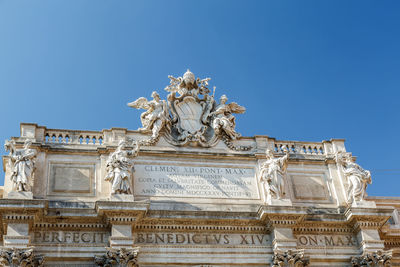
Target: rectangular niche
<point>71,179</point>
<point>309,186</point>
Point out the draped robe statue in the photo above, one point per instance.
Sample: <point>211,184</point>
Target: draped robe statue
<point>273,174</point>
<point>357,177</point>
<point>120,167</point>
<point>22,164</point>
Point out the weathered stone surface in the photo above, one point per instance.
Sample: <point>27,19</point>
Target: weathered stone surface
<point>187,190</point>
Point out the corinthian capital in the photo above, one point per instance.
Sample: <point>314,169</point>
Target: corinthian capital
<point>14,257</point>
<point>118,257</point>
<point>378,258</point>
<point>290,258</point>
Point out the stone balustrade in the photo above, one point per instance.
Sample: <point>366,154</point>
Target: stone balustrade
<point>55,136</point>
<point>304,148</point>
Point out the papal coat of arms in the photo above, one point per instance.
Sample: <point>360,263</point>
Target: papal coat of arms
<point>190,116</point>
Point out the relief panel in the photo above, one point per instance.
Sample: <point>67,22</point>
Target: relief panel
<point>71,178</point>
<point>309,185</point>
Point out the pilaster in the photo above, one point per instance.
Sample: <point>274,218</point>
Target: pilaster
<point>366,223</point>
<point>281,226</point>
<point>121,216</point>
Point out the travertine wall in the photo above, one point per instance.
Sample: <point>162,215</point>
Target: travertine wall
<point>192,206</point>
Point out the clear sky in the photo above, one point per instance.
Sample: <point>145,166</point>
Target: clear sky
<point>305,70</point>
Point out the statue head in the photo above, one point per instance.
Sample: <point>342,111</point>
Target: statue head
<point>188,77</point>
<point>348,157</point>
<point>269,154</point>
<point>223,99</point>
<point>155,95</point>
<point>27,143</point>
<point>121,144</point>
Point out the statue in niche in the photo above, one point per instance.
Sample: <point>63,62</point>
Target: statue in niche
<point>22,164</point>
<point>119,168</point>
<point>222,119</point>
<point>357,177</point>
<point>156,115</point>
<point>273,174</point>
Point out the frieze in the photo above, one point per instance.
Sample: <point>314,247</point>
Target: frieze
<point>69,237</point>
<point>170,238</point>
<point>326,241</point>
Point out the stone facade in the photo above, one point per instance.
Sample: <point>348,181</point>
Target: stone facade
<point>187,189</point>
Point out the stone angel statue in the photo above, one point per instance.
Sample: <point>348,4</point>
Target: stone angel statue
<point>222,120</point>
<point>156,115</point>
<point>357,177</point>
<point>119,168</point>
<point>22,163</point>
<point>273,174</point>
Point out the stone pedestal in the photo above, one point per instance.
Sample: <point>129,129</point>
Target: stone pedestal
<point>122,198</point>
<point>20,195</point>
<point>363,204</point>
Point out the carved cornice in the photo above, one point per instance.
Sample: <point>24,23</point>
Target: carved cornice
<point>121,212</point>
<point>378,258</point>
<point>69,226</point>
<point>367,218</point>
<point>14,257</point>
<point>201,228</point>
<point>290,258</point>
<point>118,257</point>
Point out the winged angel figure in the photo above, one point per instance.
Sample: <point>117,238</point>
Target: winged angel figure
<point>156,115</point>
<point>222,119</point>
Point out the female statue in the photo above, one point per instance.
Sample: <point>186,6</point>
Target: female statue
<point>120,167</point>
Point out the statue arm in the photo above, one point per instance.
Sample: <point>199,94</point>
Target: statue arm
<point>283,161</point>
<point>30,154</point>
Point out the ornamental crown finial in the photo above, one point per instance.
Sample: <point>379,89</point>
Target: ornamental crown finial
<point>188,77</point>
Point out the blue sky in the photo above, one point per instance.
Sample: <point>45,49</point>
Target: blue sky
<point>305,70</point>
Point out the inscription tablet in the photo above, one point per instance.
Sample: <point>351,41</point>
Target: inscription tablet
<point>195,181</point>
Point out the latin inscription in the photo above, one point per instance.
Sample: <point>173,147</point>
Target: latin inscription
<point>190,181</point>
<point>64,237</point>
<point>326,240</point>
<point>202,239</point>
